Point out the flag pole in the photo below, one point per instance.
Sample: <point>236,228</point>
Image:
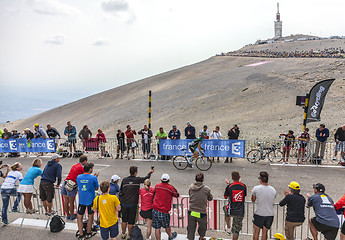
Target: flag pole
<point>305,111</point>
<point>150,109</point>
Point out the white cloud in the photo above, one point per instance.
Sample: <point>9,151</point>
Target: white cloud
<point>119,10</point>
<point>53,7</point>
<point>101,42</point>
<point>56,39</point>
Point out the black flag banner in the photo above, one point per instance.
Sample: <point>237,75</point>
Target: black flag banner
<point>317,97</point>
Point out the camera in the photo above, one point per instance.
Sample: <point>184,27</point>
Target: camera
<point>152,167</point>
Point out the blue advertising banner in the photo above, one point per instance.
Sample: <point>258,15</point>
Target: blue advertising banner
<point>213,147</point>
<point>23,145</point>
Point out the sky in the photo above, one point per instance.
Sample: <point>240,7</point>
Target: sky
<point>53,52</point>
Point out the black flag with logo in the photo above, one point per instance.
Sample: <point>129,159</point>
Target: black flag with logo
<point>317,97</point>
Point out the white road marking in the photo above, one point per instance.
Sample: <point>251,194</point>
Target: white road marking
<point>101,165</point>
<point>42,223</point>
<point>302,165</point>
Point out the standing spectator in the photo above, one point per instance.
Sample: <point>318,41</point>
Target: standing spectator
<point>199,195</point>
<point>8,189</point>
<point>87,184</point>
<point>71,132</point>
<point>146,135</point>
<point>216,134</point>
<point>287,145</point>
<point>161,134</point>
<point>26,185</point>
<point>339,138</point>
<point>40,132</point>
<point>130,140</point>
<point>51,172</point>
<point>339,206</point>
<point>85,134</point>
<point>101,142</point>
<point>189,131</point>
<point>147,194</point>
<point>129,196</point>
<point>70,193</point>
<point>114,185</point>
<point>15,133</point>
<point>295,209</point>
<point>322,133</point>
<point>326,220</point>
<point>1,132</point>
<point>164,192</point>
<point>6,135</point>
<point>28,134</point>
<point>303,140</point>
<point>263,215</point>
<point>107,205</point>
<point>236,192</point>
<point>120,136</point>
<point>174,133</point>
<point>206,131</point>
<point>52,134</point>
<point>233,133</point>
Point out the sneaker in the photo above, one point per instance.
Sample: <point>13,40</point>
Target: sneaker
<point>173,236</point>
<point>15,210</point>
<point>90,235</point>
<point>81,237</point>
<point>5,222</point>
<point>30,211</point>
<point>334,158</point>
<point>68,218</point>
<point>73,217</point>
<point>124,236</point>
<point>228,231</point>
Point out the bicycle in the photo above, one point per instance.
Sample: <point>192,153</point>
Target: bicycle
<point>182,162</point>
<point>272,153</point>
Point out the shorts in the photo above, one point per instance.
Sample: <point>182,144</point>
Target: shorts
<point>263,221</point>
<point>146,214</point>
<point>330,233</point>
<point>287,147</point>
<point>340,147</point>
<point>47,191</point>
<point>236,225</point>
<point>113,231</point>
<point>72,140</point>
<point>82,208</point>
<point>302,147</point>
<point>25,188</point>
<point>160,219</point>
<point>343,229</point>
<point>129,214</point>
<point>67,193</point>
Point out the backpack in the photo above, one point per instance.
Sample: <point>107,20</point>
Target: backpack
<point>57,224</point>
<point>63,153</point>
<point>106,154</point>
<point>136,234</point>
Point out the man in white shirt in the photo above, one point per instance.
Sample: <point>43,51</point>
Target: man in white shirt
<point>216,134</point>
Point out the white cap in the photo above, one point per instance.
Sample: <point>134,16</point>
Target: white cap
<point>114,178</point>
<point>165,177</point>
<point>55,156</point>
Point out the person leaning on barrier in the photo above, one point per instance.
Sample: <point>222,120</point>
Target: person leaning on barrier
<point>295,209</point>
<point>322,133</point>
<point>236,192</point>
<point>53,134</point>
<point>39,132</point>
<point>107,205</point>
<point>339,138</point>
<point>326,220</point>
<point>51,172</point>
<point>85,134</point>
<point>26,186</point>
<point>174,133</point>
<point>69,187</point>
<point>264,194</point>
<point>146,135</point>
<point>303,140</point>
<point>8,189</point>
<point>1,132</point>
<point>199,195</point>
<point>339,207</point>
<point>189,131</point>
<point>87,184</point>
<point>71,132</point>
<point>120,136</point>
<point>15,133</point>
<point>6,135</point>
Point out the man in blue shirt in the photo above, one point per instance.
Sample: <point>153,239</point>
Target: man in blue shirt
<point>87,185</point>
<point>322,133</point>
<point>326,220</point>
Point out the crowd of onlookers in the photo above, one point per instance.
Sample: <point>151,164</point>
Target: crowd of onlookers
<point>120,200</point>
<point>325,53</point>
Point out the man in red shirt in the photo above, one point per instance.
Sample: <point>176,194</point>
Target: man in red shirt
<point>71,181</point>
<point>130,139</point>
<point>161,207</point>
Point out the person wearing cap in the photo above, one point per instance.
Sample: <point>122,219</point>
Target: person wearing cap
<point>326,220</point>
<point>114,185</point>
<point>339,207</point>
<point>15,133</point>
<point>51,172</point>
<point>40,132</point>
<point>199,195</point>
<point>164,192</point>
<point>206,131</point>
<point>129,197</point>
<point>189,131</point>
<point>174,133</point>
<point>71,133</point>
<point>233,133</point>
<point>71,190</point>
<point>146,135</point>
<point>161,134</point>
<point>295,209</point>
<point>264,195</point>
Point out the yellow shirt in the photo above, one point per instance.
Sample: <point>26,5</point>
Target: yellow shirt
<point>107,209</point>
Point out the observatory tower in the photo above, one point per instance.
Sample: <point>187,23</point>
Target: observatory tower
<point>278,25</point>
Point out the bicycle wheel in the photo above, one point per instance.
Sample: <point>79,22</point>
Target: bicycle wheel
<point>203,163</point>
<point>180,162</point>
<point>253,156</point>
<point>275,156</point>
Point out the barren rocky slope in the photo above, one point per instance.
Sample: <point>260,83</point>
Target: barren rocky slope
<point>218,91</point>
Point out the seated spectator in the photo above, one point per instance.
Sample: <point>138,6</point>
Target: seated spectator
<point>40,132</point>
<point>6,135</point>
<point>85,134</point>
<point>114,185</point>
<point>26,185</point>
<point>174,133</point>
<point>147,194</point>
<point>101,142</point>
<point>206,131</point>
<point>146,134</point>
<point>120,136</point>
